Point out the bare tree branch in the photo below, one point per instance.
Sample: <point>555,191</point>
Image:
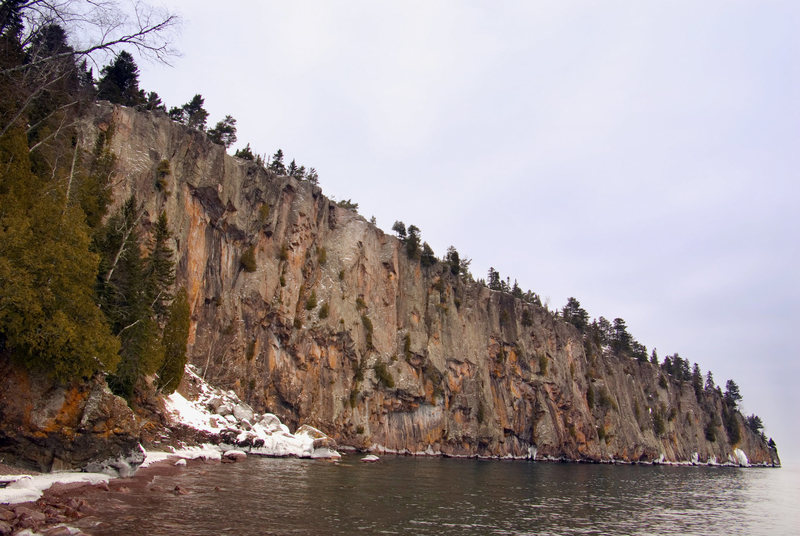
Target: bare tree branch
<point>124,244</point>
<point>96,28</point>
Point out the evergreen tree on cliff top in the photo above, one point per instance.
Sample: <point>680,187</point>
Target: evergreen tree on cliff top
<point>119,82</point>
<point>224,132</point>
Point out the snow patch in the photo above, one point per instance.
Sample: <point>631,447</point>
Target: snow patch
<point>235,424</point>
<point>29,488</point>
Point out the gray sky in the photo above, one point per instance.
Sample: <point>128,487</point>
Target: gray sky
<point>640,156</point>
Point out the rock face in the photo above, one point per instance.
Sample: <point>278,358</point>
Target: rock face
<point>49,427</point>
<point>337,328</point>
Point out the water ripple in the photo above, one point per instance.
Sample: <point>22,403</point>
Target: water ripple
<point>433,496</point>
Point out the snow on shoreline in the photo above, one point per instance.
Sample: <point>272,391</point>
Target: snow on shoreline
<point>233,426</point>
<point>25,488</point>
<point>224,416</point>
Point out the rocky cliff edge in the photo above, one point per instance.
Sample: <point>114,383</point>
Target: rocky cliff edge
<point>337,328</point>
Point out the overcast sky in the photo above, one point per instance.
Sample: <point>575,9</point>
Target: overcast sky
<point>640,156</point>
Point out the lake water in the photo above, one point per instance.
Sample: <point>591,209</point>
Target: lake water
<point>436,496</point>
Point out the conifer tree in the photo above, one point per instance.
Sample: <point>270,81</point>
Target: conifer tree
<point>575,314</point>
<point>639,351</point>
<point>697,381</point>
<point>732,396</point>
<point>119,81</point>
<point>160,268</point>
<point>412,242</point>
<point>276,165</point>
<point>620,338</point>
<point>48,318</point>
<point>176,333</point>
<point>400,228</point>
<point>125,295</point>
<point>194,115</point>
<point>427,257</point>
<point>246,153</point>
<point>605,331</point>
<point>453,260</point>
<point>493,279</point>
<point>153,102</point>
<point>224,132</point>
<point>710,385</point>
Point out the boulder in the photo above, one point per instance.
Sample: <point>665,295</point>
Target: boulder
<point>224,410</point>
<point>242,412</point>
<point>235,455</point>
<point>214,404</point>
<point>321,440</point>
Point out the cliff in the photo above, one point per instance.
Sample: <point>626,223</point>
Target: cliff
<point>337,328</point>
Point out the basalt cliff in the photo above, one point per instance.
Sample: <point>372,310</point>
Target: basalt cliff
<point>334,326</point>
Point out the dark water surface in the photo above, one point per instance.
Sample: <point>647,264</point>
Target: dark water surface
<point>401,495</point>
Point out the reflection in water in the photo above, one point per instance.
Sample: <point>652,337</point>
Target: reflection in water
<point>446,496</point>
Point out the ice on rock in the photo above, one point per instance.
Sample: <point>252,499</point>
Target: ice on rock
<point>235,455</point>
<point>741,457</point>
<point>221,413</point>
<point>270,422</point>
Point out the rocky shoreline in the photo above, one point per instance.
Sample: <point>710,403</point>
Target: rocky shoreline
<point>61,505</point>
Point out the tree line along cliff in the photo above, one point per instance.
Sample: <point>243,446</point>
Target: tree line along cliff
<point>308,310</point>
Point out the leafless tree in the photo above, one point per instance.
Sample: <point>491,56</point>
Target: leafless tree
<point>97,29</point>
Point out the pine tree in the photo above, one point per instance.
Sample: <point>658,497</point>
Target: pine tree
<point>516,291</point>
<point>176,114</point>
<point>604,329</point>
<point>639,351</point>
<point>176,333</point>
<point>710,385</point>
<point>412,242</point>
<point>194,115</point>
<point>697,381</point>
<point>153,102</point>
<point>125,295</point>
<point>427,258</point>
<point>400,228</point>
<point>754,423</point>
<point>119,82</point>
<point>620,339</point>
<point>732,396</point>
<point>493,279</point>
<point>160,268</point>
<point>453,260</point>
<point>276,165</point>
<point>575,314</point>
<point>246,153</point>
<point>224,132</point>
